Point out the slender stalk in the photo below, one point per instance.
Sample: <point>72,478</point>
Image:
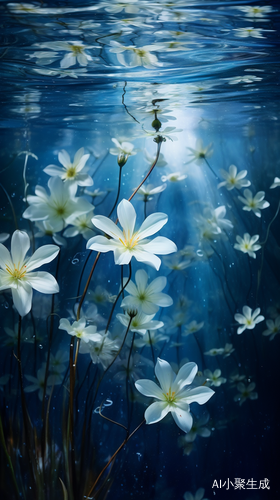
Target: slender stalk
<point>11,469</point>
<point>118,192</point>
<point>160,140</point>
<point>127,378</point>
<point>125,107</point>
<point>113,457</point>
<point>209,166</point>
<point>152,348</point>
<point>118,296</point>
<point>26,419</point>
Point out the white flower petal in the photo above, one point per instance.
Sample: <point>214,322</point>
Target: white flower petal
<point>164,374</point>
<point>161,246</point>
<point>107,226</point>
<point>5,257</point>
<point>53,170</point>
<point>100,244</point>
<point>127,217</point>
<point>198,395</point>
<point>22,298</point>
<point>149,388</point>
<point>156,412</point>
<point>141,279</point>
<point>182,417</point>
<point>152,224</point>
<point>42,282</point>
<point>147,258</point>
<point>185,375</point>
<point>20,245</point>
<point>41,256</point>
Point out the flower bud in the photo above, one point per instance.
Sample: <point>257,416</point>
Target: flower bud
<point>122,159</point>
<point>156,124</point>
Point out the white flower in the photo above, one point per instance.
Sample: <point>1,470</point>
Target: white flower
<point>139,56</point>
<point>39,382</point>
<point>12,339</point>
<point>81,225</point>
<point>102,351</point>
<point>174,177</point>
<point>76,53</point>
<point>129,6</point>
<point>200,153</point>
<point>165,133</point>
<point>123,151</point>
<point>276,183</point>
<point>71,172</point>
<point>16,271</point>
<point>228,350</point>
<point>150,338</point>
<point>176,263</point>
<point>255,11</point>
<point>140,323</point>
<point>124,147</point>
<point>273,327</point>
<point>192,327</point>
<point>213,220</point>
<point>80,330</point>
<point>198,496</point>
<point>61,73</point>
<point>243,79</point>
<point>256,203</point>
<point>128,244</point>
<point>60,208</point>
<point>149,190</point>
<point>252,32</point>
<point>248,244</point>
<point>215,351</point>
<point>247,319</point>
<point>45,229</point>
<point>234,179</point>
<point>214,378</point>
<point>172,394</point>
<point>245,392</point>
<point>144,297</point>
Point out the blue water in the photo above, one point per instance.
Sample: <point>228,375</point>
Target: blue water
<point>77,75</point>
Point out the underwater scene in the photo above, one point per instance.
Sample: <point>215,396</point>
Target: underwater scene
<point>139,250</point>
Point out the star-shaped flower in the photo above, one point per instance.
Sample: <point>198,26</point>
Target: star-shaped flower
<point>255,203</point>
<point>248,244</point>
<point>247,319</point>
<point>172,395</point>
<point>71,171</point>
<point>234,179</point>
<point>17,273</point>
<point>147,298</point>
<point>131,243</point>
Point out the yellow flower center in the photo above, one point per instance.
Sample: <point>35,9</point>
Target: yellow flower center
<point>77,49</point>
<point>140,52</point>
<point>170,396</point>
<point>17,273</point>
<point>71,172</point>
<point>129,242</point>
